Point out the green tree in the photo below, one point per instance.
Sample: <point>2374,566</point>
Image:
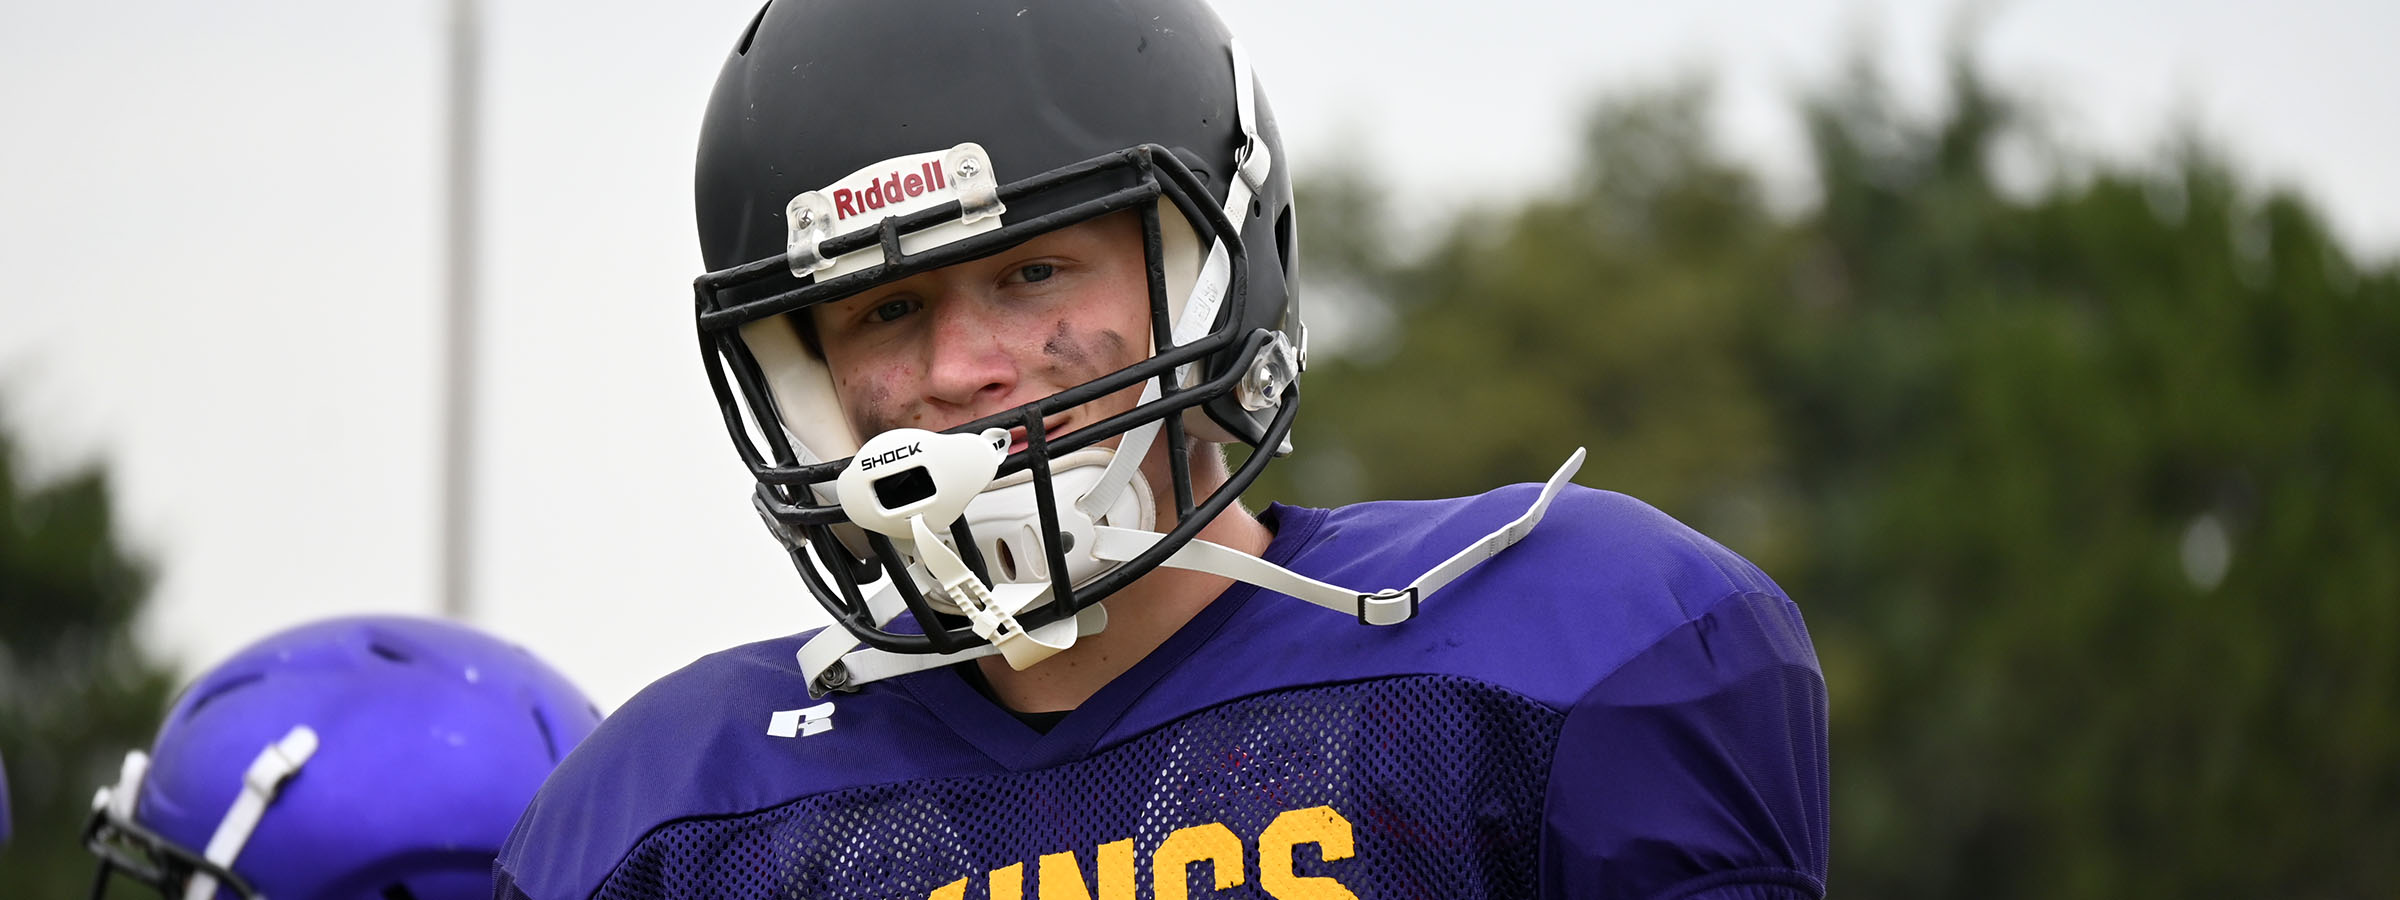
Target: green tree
<point>2086,488</point>
<point>75,690</point>
<point>2103,482</point>
<point>1607,313</point>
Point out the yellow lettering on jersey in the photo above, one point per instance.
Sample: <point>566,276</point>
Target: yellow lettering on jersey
<point>1278,849</point>
<point>1008,882</point>
<point>1062,879</point>
<point>1212,843</point>
<point>1226,853</point>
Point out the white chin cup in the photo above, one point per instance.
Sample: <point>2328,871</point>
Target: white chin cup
<point>1007,521</point>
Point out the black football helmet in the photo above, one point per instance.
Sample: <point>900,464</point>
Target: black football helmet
<point>851,143</point>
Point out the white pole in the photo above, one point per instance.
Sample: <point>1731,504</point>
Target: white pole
<point>458,369</point>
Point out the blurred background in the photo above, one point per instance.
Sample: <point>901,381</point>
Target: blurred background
<point>2044,351</point>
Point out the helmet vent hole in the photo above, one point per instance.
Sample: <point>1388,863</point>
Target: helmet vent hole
<point>223,689</point>
<point>541,723</point>
<point>751,32</point>
<point>398,891</point>
<point>1008,562</point>
<point>388,651</point>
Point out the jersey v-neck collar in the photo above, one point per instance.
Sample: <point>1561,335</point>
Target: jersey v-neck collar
<point>997,733</point>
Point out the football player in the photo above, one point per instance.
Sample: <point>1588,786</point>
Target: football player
<point>993,287</point>
<point>370,757</point>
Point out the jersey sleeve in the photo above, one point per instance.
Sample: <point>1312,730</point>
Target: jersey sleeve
<point>1698,768</point>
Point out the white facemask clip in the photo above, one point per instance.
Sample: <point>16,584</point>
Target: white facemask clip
<point>269,771</point>
<point>122,798</point>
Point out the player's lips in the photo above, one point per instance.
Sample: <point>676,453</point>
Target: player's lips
<point>1051,431</point>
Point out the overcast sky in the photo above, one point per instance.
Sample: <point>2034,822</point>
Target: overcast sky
<point>219,238</point>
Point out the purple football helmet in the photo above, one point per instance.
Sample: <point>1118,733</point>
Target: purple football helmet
<point>364,756</point>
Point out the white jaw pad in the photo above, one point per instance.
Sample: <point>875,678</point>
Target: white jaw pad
<point>803,391</point>
<point>1184,263</point>
<point>951,476</point>
<point>1007,521</point>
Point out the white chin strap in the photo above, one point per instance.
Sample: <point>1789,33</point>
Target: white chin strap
<point>1385,607</point>
<point>835,660</point>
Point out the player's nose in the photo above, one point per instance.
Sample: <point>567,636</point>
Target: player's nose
<point>969,365</point>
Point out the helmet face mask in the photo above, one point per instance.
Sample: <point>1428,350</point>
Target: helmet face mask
<point>1216,255</point>
<point>130,850</point>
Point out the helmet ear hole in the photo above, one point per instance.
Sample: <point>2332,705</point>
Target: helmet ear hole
<point>1284,241</point>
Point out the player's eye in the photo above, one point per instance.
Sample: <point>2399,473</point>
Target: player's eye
<point>1036,272</point>
<point>890,310</point>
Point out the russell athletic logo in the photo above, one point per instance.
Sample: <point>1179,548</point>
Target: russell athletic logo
<point>801,722</point>
<point>889,190</point>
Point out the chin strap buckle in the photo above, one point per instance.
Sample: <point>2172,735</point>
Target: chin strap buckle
<point>1386,607</point>
<point>993,621</point>
<point>1253,160</point>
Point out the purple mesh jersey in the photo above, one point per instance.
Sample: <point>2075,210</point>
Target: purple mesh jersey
<point>1616,707</point>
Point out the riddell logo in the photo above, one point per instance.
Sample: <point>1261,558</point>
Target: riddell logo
<point>892,188</point>
<point>888,457</point>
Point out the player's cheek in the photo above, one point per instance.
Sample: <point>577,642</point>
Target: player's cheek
<point>872,397</point>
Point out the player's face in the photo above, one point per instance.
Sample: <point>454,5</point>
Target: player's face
<point>949,346</point>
